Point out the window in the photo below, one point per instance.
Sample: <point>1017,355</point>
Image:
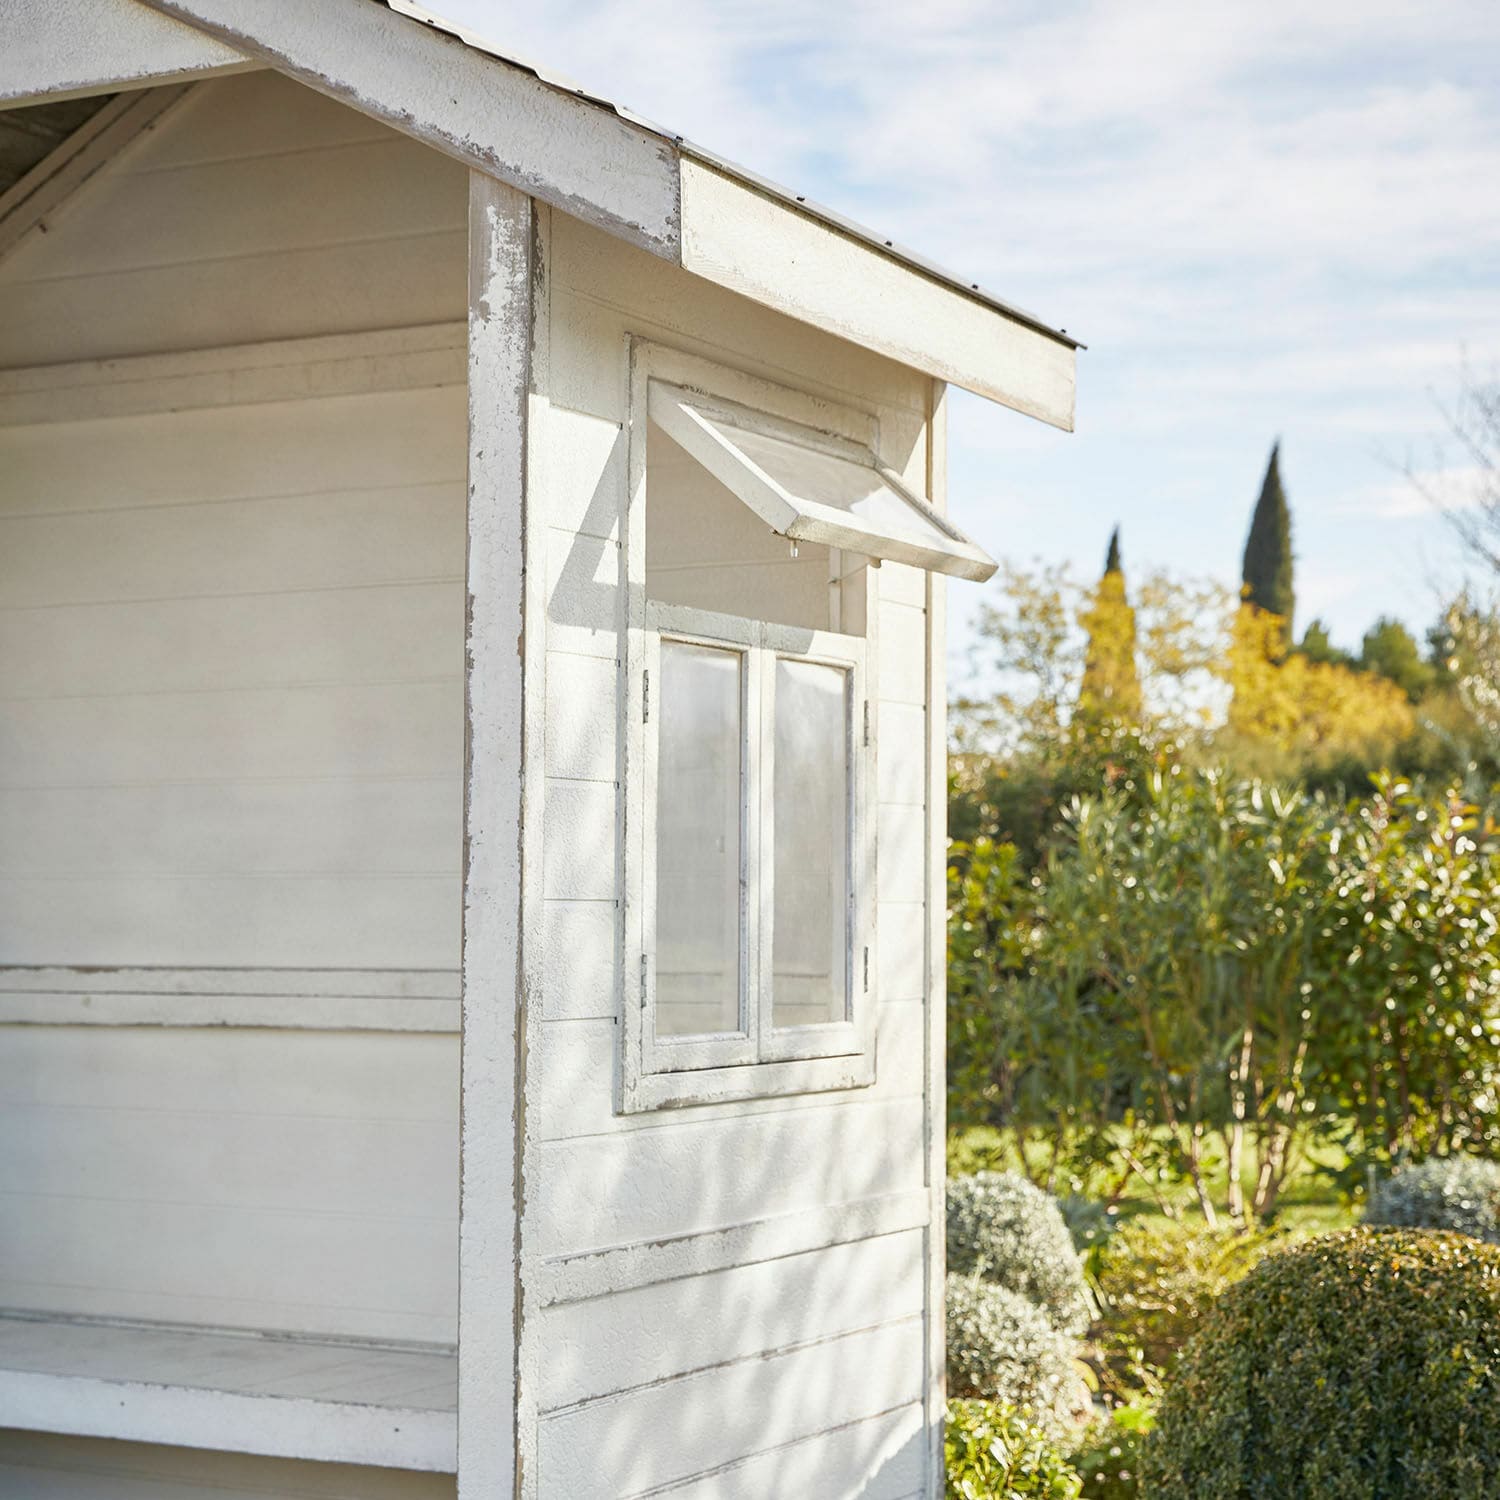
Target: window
<point>754,943</point>
<point>756,518</point>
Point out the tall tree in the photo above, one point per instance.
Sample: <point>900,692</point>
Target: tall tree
<point>1111,688</point>
<point>1268,549</point>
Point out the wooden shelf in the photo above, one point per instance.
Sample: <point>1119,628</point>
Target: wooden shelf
<point>240,1393</point>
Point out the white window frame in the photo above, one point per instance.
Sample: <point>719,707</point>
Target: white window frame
<point>763,1060</point>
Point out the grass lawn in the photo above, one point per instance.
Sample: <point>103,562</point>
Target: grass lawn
<point>1311,1201</point>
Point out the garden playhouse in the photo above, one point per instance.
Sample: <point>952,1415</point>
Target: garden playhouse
<point>471,780</point>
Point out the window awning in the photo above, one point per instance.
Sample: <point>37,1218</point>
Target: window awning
<point>815,488</point>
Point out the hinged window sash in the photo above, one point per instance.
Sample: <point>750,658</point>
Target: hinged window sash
<point>711,868</point>
<point>815,487</point>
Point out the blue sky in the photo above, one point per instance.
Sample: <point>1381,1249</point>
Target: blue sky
<point>1265,220</point>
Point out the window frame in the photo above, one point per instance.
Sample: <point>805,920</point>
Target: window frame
<point>762,1060</point>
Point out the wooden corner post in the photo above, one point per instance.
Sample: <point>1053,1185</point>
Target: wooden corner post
<point>495,835</point>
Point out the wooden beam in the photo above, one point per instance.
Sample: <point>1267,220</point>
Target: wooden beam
<point>57,49</point>
<point>751,242</point>
<point>333,364</point>
<point>491,115</point>
<point>55,181</point>
<point>497,744</point>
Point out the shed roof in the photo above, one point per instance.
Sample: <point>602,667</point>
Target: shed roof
<point>540,132</point>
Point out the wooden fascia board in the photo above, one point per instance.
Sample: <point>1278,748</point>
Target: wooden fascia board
<point>752,243</point>
<point>494,117</point>
<point>60,49</point>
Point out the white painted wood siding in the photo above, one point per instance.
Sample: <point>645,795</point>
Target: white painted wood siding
<point>258,210</point>
<point>37,1466</point>
<point>231,737</point>
<point>233,686</point>
<point>727,1300</point>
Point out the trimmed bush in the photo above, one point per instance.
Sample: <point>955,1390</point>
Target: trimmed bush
<point>993,1452</point>
<point>1002,1228</point>
<point>1461,1193</point>
<point>1002,1347</point>
<point>1364,1365</point>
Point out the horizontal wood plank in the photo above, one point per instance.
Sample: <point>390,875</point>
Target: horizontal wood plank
<point>595,1347</point>
<point>706,1420</point>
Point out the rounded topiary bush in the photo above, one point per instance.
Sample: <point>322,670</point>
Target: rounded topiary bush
<point>1002,1228</point>
<point>1461,1193</point>
<point>1001,1346</point>
<point>1364,1365</point>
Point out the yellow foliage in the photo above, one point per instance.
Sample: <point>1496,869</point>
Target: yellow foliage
<point>1318,710</point>
<point>1111,688</point>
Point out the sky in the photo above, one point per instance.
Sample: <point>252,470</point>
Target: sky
<point>1266,221</point>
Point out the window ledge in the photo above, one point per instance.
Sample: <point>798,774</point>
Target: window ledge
<point>240,1393</point>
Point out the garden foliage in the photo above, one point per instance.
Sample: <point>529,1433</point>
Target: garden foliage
<point>993,1452</point>
<point>1460,1193</point>
<point>1110,1453</point>
<point>1156,1282</point>
<point>1364,1365</point>
<point>1003,1229</point>
<point>1001,1346</point>
<point>1205,972</point>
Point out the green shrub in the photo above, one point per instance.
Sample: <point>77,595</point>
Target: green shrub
<point>1461,1193</point>
<point>1364,1365</point>
<point>1155,1281</point>
<point>993,1452</point>
<point>1002,1228</point>
<point>1002,1347</point>
<point>1109,1455</point>
<point>1089,1221</point>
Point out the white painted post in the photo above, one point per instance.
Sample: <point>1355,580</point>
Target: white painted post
<point>500,323</point>
<point>936,1127</point>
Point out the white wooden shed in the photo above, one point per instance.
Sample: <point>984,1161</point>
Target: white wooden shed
<point>471,781</point>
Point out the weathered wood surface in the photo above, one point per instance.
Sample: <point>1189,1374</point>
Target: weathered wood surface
<point>501,741</point>
<point>289,1398</point>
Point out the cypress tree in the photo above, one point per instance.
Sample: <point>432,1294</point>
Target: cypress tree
<point>1268,549</point>
<point>1111,689</point>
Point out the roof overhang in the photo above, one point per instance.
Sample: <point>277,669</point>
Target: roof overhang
<point>566,148</point>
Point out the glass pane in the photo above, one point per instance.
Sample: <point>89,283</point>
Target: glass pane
<point>698,841</point>
<point>810,937</point>
<point>826,479</point>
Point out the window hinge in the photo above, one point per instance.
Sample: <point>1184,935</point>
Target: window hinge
<point>644,985</point>
<point>867,971</point>
<point>867,722</point>
<point>645,705</point>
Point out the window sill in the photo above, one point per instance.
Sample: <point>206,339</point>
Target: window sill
<point>768,1080</point>
<point>239,1393</point>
